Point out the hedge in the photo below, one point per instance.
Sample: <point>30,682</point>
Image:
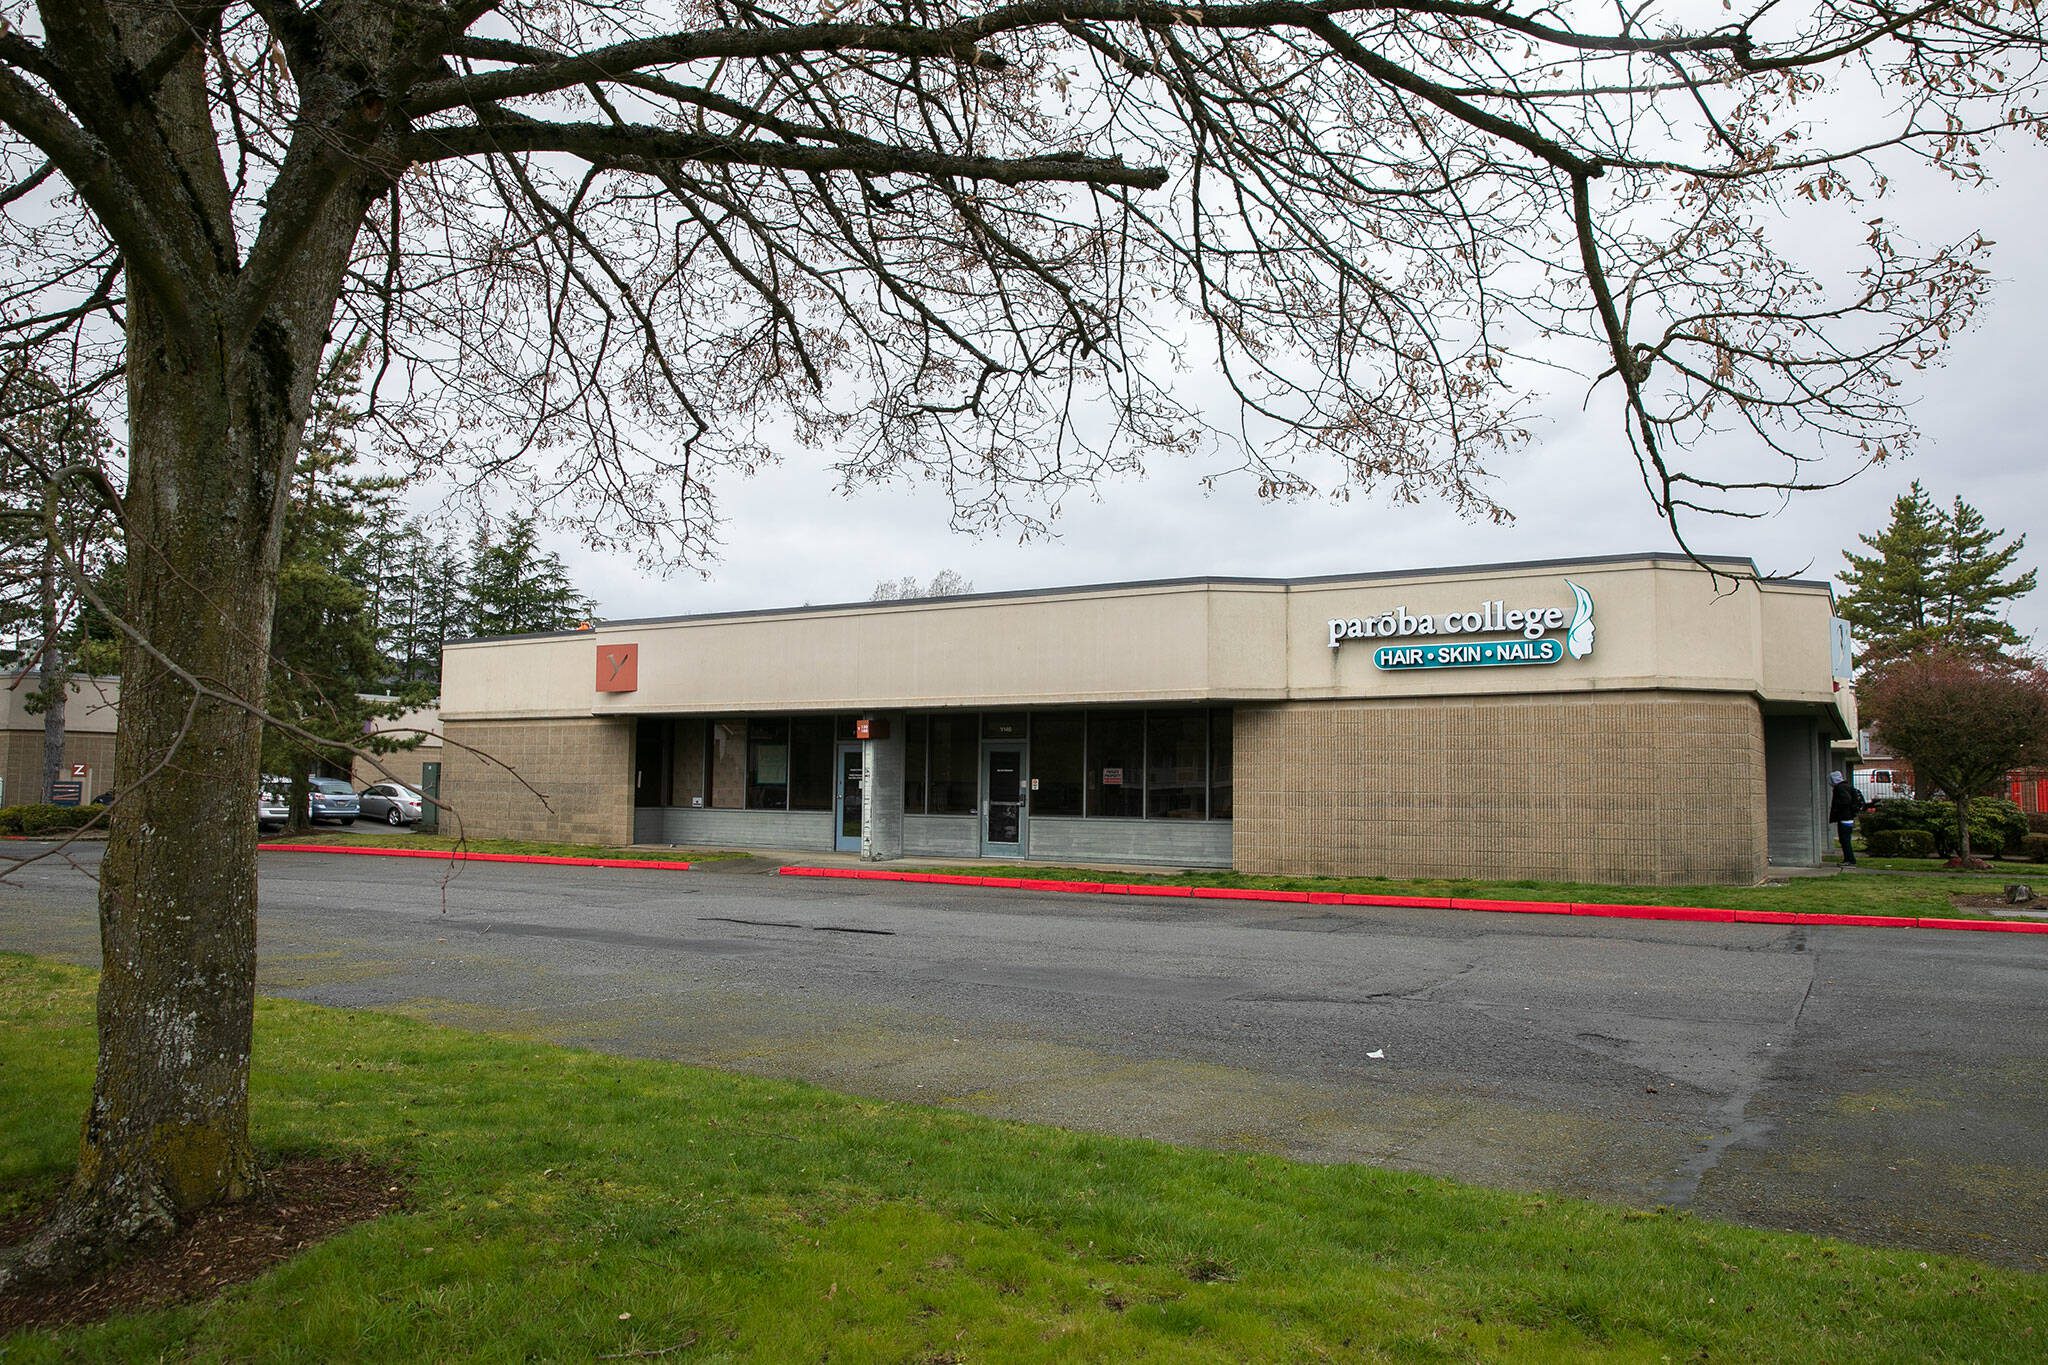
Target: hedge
<point>1996,825</point>
<point>41,819</point>
<point>1906,843</point>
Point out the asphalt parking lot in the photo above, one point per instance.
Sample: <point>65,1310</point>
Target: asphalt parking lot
<point>1885,1085</point>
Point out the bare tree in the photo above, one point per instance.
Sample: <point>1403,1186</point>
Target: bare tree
<point>613,251</point>
<point>945,583</point>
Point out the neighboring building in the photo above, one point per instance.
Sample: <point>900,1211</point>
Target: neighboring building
<point>1880,775</point>
<point>2027,788</point>
<point>1444,723</point>
<point>89,717</point>
<point>410,766</point>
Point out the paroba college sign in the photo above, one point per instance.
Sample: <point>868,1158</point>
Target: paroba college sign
<point>1534,631</point>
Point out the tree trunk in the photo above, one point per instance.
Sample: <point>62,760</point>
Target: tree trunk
<point>168,1129</point>
<point>299,796</point>
<point>54,692</point>
<point>1963,828</point>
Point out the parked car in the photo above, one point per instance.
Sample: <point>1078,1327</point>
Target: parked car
<point>333,799</point>
<point>392,802</point>
<point>1884,784</point>
<point>273,808</point>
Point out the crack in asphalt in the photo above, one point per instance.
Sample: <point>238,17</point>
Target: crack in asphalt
<point>1738,1126</point>
<point>791,924</point>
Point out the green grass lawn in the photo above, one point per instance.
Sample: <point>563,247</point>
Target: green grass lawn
<point>399,838</point>
<point>1846,894</point>
<point>566,1205</point>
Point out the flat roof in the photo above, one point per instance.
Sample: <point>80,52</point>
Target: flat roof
<point>1738,566</point>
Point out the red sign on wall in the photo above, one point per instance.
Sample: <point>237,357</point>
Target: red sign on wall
<point>618,668</point>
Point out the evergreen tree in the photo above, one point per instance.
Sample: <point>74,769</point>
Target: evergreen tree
<point>1974,591</point>
<point>1892,599</point>
<point>515,589</point>
<point>1934,579</point>
<point>327,664</point>
<point>418,603</point>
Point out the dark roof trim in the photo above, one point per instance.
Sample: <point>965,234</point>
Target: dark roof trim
<point>1740,567</point>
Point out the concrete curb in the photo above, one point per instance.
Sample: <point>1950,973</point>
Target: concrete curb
<point>456,855</point>
<point>1692,913</point>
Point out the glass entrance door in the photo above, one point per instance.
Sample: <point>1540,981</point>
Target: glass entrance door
<point>1003,804</point>
<point>847,818</point>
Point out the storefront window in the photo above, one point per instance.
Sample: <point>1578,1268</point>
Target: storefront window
<point>1116,764</point>
<point>1056,763</point>
<point>768,765</point>
<point>1002,724</point>
<point>1219,763</point>
<point>728,765</point>
<point>955,764</point>
<point>810,763</point>
<point>1176,765</point>
<point>915,729</point>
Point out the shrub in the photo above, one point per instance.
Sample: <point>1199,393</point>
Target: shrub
<point>1996,824</point>
<point>1900,843</point>
<point>2034,848</point>
<point>2004,823</point>
<point>41,819</point>
<point>2037,821</point>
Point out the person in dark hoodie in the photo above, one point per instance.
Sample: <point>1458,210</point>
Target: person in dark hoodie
<point>1844,805</point>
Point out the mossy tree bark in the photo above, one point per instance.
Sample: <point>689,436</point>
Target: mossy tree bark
<point>213,433</point>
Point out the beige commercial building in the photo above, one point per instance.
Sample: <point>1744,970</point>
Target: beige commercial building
<point>1635,718</point>
<point>89,721</point>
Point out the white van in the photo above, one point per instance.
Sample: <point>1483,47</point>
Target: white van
<point>1884,784</point>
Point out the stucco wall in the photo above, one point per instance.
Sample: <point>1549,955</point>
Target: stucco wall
<point>1651,787</point>
<point>1662,623</point>
<point>583,767</point>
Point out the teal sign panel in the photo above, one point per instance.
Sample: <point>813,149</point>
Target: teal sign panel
<point>1487,654</point>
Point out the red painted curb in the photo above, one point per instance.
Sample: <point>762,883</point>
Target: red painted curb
<point>454,855</point>
<point>1701,914</point>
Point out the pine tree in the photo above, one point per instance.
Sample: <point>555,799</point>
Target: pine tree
<point>1934,580</point>
<point>515,589</point>
<point>1973,591</point>
<point>419,605</point>
<point>327,666</point>
<point>1893,594</point>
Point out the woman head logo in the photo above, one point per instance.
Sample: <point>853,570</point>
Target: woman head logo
<point>1578,636</point>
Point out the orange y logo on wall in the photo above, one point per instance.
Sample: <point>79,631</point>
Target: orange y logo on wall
<point>618,668</point>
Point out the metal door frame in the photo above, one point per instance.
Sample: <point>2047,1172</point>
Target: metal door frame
<point>1018,849</point>
<point>839,752</point>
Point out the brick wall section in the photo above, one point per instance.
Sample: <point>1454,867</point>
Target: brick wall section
<point>583,767</point>
<point>1638,787</point>
<point>21,763</point>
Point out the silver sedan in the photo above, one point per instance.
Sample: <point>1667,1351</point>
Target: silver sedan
<point>391,802</point>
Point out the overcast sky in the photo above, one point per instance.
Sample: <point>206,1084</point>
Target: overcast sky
<point>1574,491</point>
